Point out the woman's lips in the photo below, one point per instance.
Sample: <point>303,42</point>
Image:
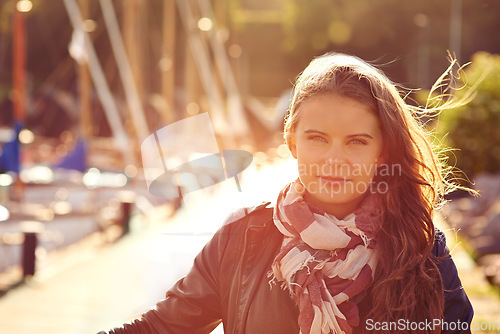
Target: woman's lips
<point>334,180</point>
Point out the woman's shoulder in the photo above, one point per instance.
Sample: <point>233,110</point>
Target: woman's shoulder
<point>440,249</point>
<point>260,214</point>
<point>234,230</point>
<point>458,308</point>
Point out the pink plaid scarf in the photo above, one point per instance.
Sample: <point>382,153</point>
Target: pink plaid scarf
<point>324,262</point>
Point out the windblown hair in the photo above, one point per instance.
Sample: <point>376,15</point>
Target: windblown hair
<point>407,282</point>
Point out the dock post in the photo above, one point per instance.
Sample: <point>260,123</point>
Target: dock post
<point>28,254</point>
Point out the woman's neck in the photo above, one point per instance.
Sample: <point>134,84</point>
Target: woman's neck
<point>338,210</point>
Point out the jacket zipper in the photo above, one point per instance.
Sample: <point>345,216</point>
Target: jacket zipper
<point>239,320</point>
<point>239,323</point>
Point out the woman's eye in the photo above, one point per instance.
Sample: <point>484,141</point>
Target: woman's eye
<point>358,141</point>
<point>318,139</point>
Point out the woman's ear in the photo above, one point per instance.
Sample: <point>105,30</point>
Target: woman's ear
<point>292,146</point>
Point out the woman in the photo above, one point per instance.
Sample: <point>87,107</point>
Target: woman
<point>350,246</point>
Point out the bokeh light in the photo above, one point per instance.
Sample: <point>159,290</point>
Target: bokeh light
<point>205,24</point>
<point>5,180</point>
<point>24,6</point>
<point>192,108</point>
<point>421,20</point>
<point>91,178</point>
<point>235,51</point>
<point>130,170</point>
<point>4,213</point>
<point>89,25</point>
<point>165,64</point>
<point>339,32</point>
<point>37,174</point>
<point>26,136</point>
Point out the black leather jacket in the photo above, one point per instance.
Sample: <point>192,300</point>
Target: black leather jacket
<point>229,282</point>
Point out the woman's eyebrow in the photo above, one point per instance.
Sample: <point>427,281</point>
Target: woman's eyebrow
<point>366,135</point>
<point>315,131</point>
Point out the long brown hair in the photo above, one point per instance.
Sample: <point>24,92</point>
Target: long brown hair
<point>407,283</point>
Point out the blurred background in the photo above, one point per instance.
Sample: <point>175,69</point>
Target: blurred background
<point>83,83</point>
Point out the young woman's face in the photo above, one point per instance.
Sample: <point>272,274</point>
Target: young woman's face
<point>337,143</point>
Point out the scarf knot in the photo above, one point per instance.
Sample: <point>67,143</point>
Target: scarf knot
<point>325,262</point>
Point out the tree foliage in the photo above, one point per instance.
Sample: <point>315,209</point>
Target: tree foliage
<point>473,129</point>
<point>389,30</point>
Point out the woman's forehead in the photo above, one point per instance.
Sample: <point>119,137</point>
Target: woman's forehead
<point>333,112</point>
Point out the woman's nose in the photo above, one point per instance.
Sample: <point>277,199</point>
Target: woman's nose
<point>335,155</point>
